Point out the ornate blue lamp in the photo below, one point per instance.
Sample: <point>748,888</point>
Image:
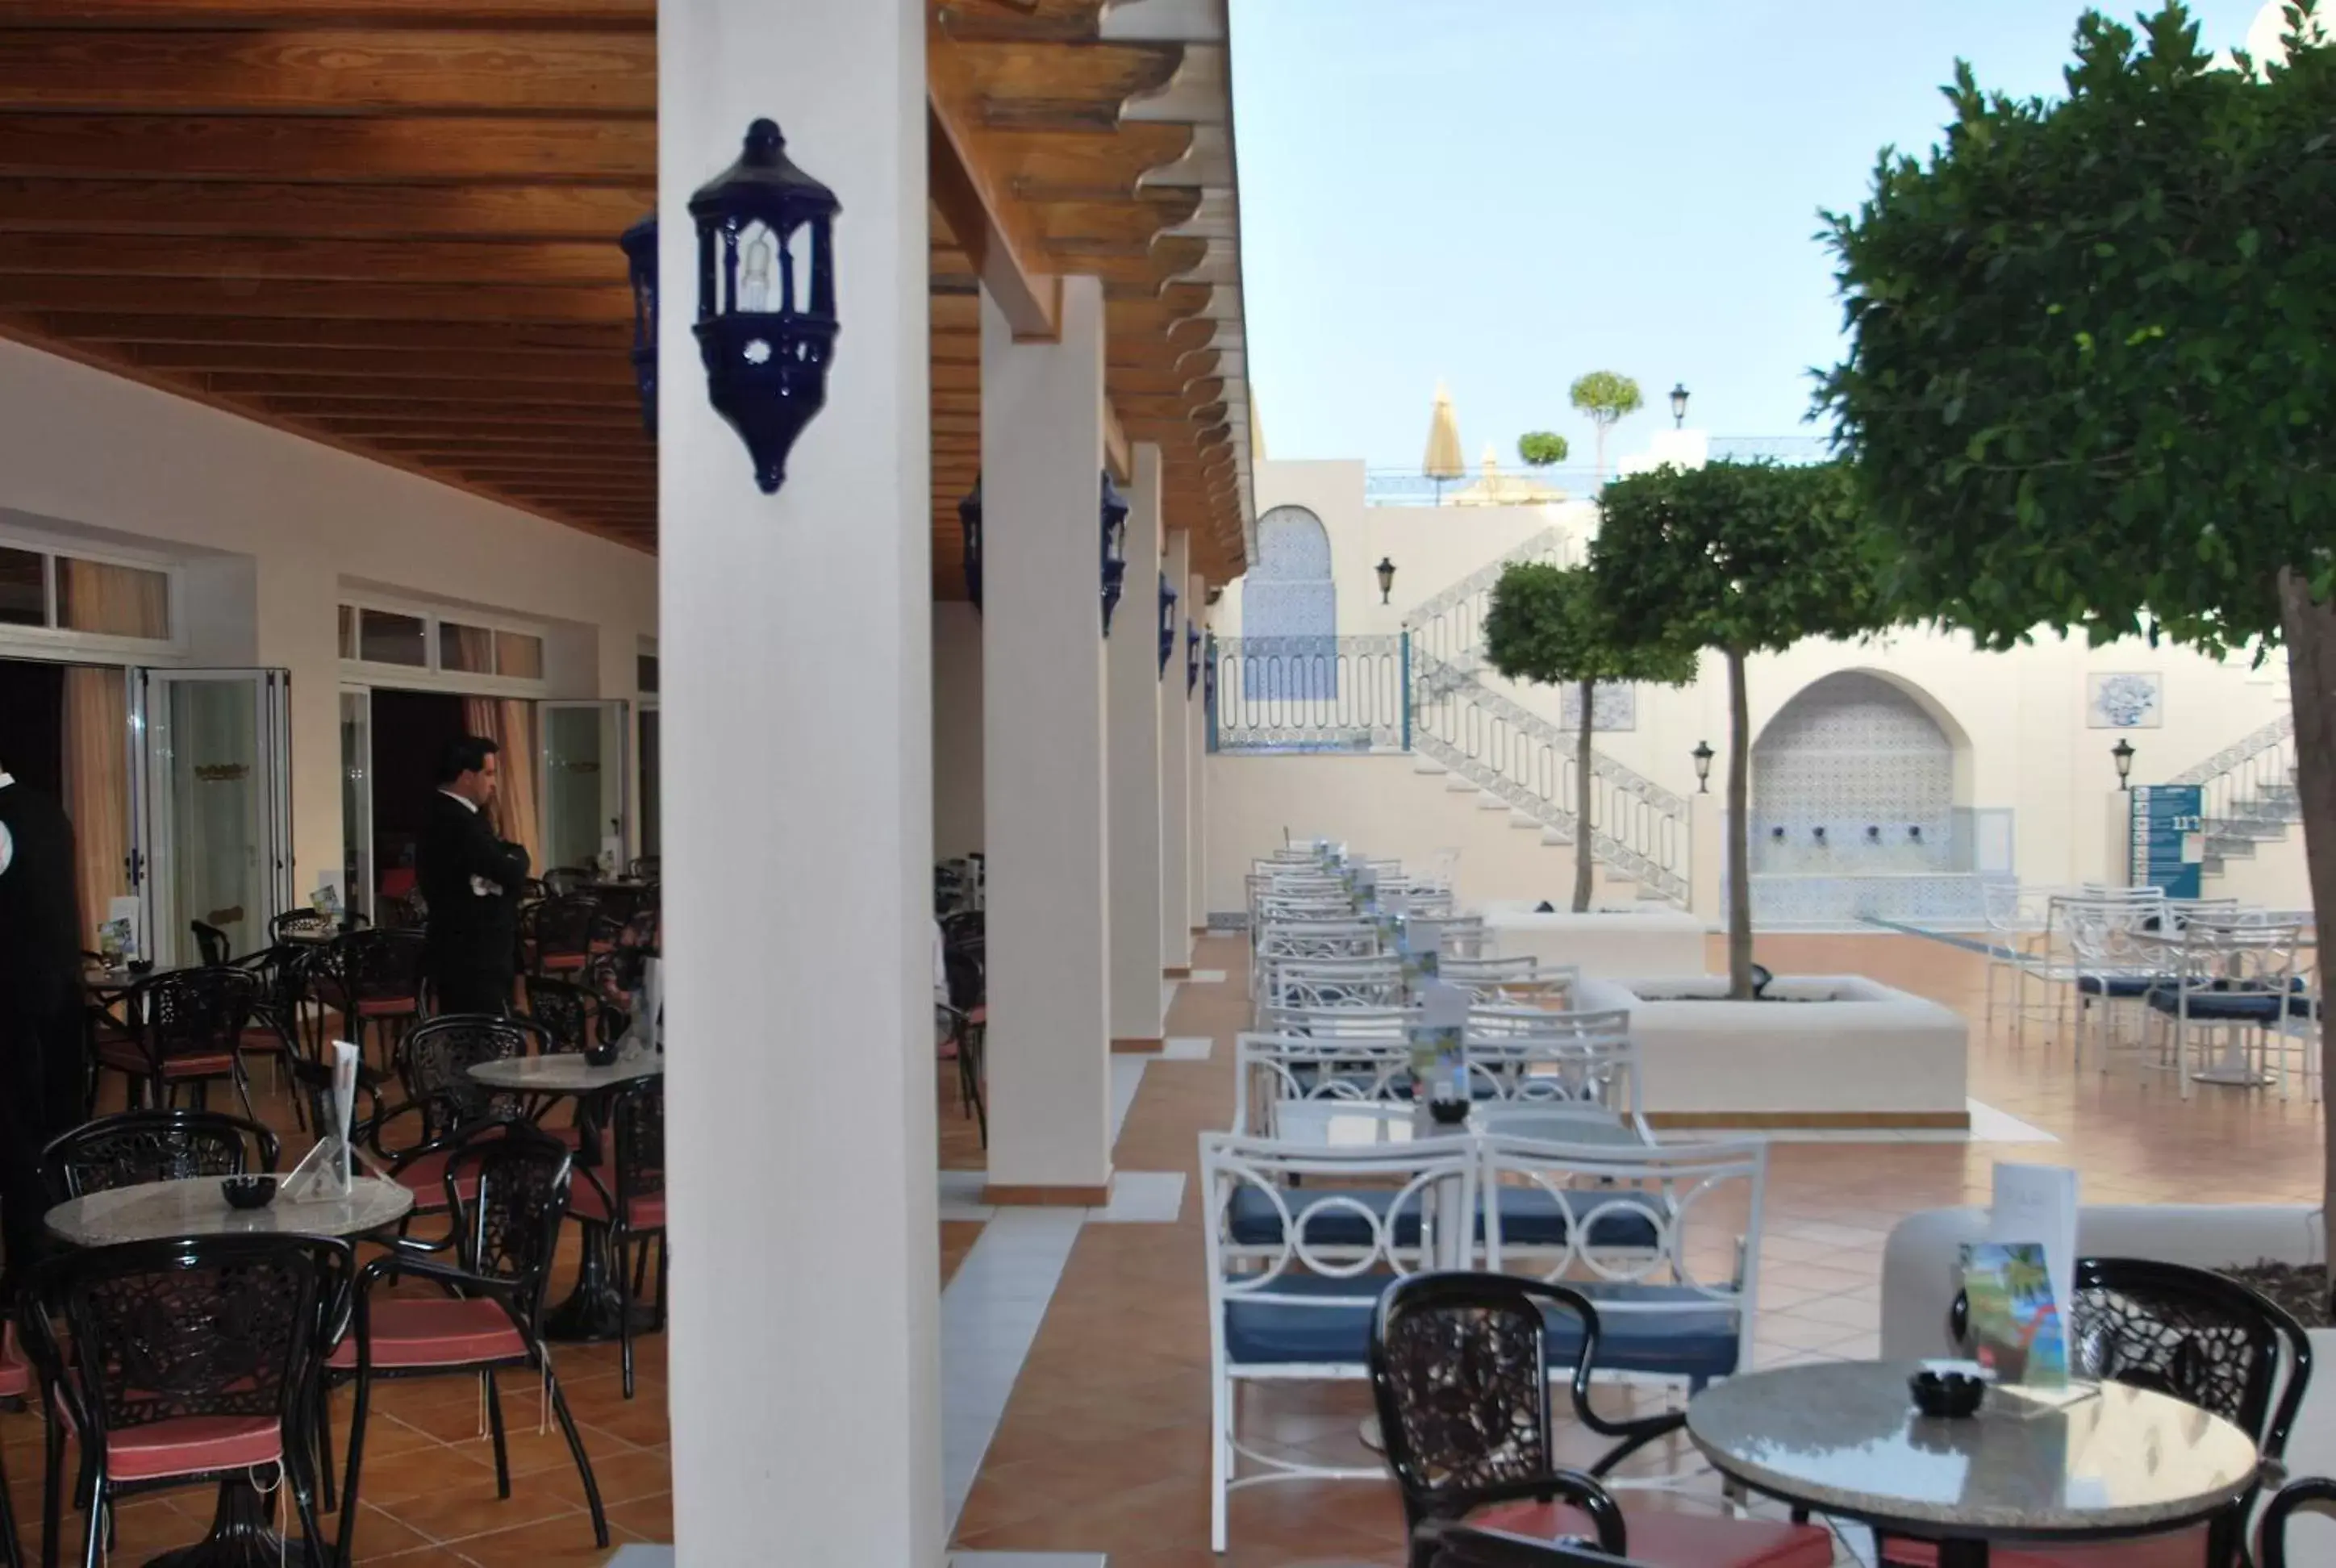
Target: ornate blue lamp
<point>1114,548</point>
<point>1191,657</point>
<point>1209,674</point>
<point>969,518</point>
<point>639,244</point>
<point>1167,625</point>
<point>765,327</point>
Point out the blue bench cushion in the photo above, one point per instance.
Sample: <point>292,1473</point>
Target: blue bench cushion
<point>1331,1326</point>
<point>1530,1217</point>
<point>2224,1006</point>
<point>2119,985</point>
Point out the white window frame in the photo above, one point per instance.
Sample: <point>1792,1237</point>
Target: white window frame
<point>429,676</point>
<point>61,644</point>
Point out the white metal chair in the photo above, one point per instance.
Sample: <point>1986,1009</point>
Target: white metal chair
<point>1320,983</point>
<point>1270,1069</point>
<point>2105,948</point>
<point>2238,976</point>
<point>1296,1264</point>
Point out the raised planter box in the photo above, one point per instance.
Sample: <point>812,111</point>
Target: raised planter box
<point>1919,1283</point>
<point>1602,943</point>
<point>1836,1051</point>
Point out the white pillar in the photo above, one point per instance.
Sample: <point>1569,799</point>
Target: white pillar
<point>1196,754</point>
<point>795,642</point>
<point>1175,771</point>
<point>1136,685</point>
<point>1042,755</point>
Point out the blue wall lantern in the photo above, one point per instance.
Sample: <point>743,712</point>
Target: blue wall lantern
<point>969,518</point>
<point>1167,625</point>
<point>1114,548</point>
<point>1192,658</point>
<point>639,244</point>
<point>765,333</point>
<point>1209,674</point>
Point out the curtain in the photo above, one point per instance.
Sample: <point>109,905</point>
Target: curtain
<point>509,723</point>
<point>473,649</point>
<point>97,788</point>
<point>117,600</point>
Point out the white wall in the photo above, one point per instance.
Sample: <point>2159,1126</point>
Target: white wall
<point>293,518</point>
<point>956,730</point>
<point>2019,717</point>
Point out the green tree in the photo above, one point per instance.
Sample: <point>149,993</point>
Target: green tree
<point>1542,448</point>
<point>1604,397</point>
<point>1548,624</point>
<point>1741,557</point>
<point>2089,384</point>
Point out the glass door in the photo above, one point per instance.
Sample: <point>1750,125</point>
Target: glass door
<point>648,752</point>
<point>212,819</point>
<point>585,798</point>
<point>357,801</point>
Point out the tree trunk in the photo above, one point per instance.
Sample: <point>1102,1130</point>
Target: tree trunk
<point>1739,833</point>
<point>1583,854</point>
<point>2310,631</point>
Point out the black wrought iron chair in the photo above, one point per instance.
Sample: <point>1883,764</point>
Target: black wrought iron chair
<point>645,867</point>
<point>560,935</point>
<point>153,1146</point>
<point>1460,1370</point>
<point>15,1389</point>
<point>967,1018</point>
<point>567,1011</point>
<point>628,1195</point>
<point>211,942</point>
<point>562,881</point>
<point>1458,1546</point>
<point>2199,1337</point>
<point>445,1105</point>
<point>373,978</point>
<point>2316,1493</point>
<point>190,1363</point>
<point>507,1195</point>
<point>185,1030</point>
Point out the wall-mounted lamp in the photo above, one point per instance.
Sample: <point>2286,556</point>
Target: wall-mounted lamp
<point>1167,625</point>
<point>1192,658</point>
<point>639,244</point>
<point>1209,672</point>
<point>1703,753</point>
<point>767,339</point>
<point>2122,755</point>
<point>1678,405</point>
<point>1114,522</point>
<point>1386,578</point>
<point>969,518</point>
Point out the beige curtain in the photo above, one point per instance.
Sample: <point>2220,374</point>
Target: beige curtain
<point>97,788</point>
<point>474,650</point>
<point>509,723</point>
<point>117,600</point>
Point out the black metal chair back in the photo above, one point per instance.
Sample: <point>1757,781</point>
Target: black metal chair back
<point>562,881</point>
<point>370,965</point>
<point>565,1009</point>
<point>1460,1548</point>
<point>968,982</point>
<point>434,1060</point>
<point>2316,1493</point>
<point>508,1227</point>
<point>153,1146</point>
<point>645,867</point>
<point>565,925</point>
<point>213,944</point>
<point>636,1126</point>
<point>205,1326</point>
<point>191,1013</point>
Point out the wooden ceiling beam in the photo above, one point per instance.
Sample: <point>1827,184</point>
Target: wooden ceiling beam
<point>327,149</point>
<point>493,441</point>
<point>446,414</point>
<point>311,299</point>
<point>402,389</point>
<point>355,343</point>
<point>404,370</point>
<point>330,70</point>
<point>594,214</point>
<point>994,233</point>
<point>364,262</point>
<point>639,14</point>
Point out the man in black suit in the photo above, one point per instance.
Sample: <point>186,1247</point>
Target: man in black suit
<point>470,876</point>
<point>44,1066</point>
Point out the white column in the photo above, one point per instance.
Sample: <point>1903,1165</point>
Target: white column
<point>1136,685</point>
<point>1175,771</point>
<point>795,645</point>
<point>1043,753</point>
<point>1196,754</point>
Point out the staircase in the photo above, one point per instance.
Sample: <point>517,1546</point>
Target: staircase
<point>1641,832</point>
<point>2247,793</point>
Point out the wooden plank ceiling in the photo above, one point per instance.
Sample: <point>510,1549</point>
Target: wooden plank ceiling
<point>390,225</point>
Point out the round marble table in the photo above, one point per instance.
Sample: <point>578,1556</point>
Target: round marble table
<point>161,1211</point>
<point>243,1527</point>
<point>1843,1438</point>
<point>594,1310</point>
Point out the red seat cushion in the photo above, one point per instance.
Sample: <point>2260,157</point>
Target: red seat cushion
<point>563,961</point>
<point>586,1202</point>
<point>1661,1539</point>
<point>187,1445</point>
<point>427,1332</point>
<point>385,1006</point>
<point>125,1057</point>
<point>262,1040</point>
<point>2181,1549</point>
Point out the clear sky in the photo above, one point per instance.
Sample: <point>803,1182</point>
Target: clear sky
<point>1507,193</point>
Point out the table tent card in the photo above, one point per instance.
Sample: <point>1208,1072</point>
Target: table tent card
<point>329,1170</point>
<point>2020,1282</point>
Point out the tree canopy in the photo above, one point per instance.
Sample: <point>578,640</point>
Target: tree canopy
<point>2091,382</point>
<point>1540,448</point>
<point>1551,624</point>
<point>1741,557</point>
<point>1605,396</point>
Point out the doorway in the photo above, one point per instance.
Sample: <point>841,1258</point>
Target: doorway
<point>64,731</point>
<point>408,730</point>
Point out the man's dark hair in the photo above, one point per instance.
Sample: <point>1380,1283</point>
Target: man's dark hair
<point>464,753</point>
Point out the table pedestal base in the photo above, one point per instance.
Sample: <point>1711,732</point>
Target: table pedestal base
<point>243,1536</point>
<point>595,1310</point>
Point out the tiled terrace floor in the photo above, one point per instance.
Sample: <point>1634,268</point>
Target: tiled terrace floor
<point>1103,1446</point>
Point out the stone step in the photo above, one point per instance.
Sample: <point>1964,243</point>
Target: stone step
<point>1523,821</point>
<point>1555,836</point>
<point>1421,762</point>
<point>1487,800</point>
<point>2232,849</point>
<point>1459,786</point>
